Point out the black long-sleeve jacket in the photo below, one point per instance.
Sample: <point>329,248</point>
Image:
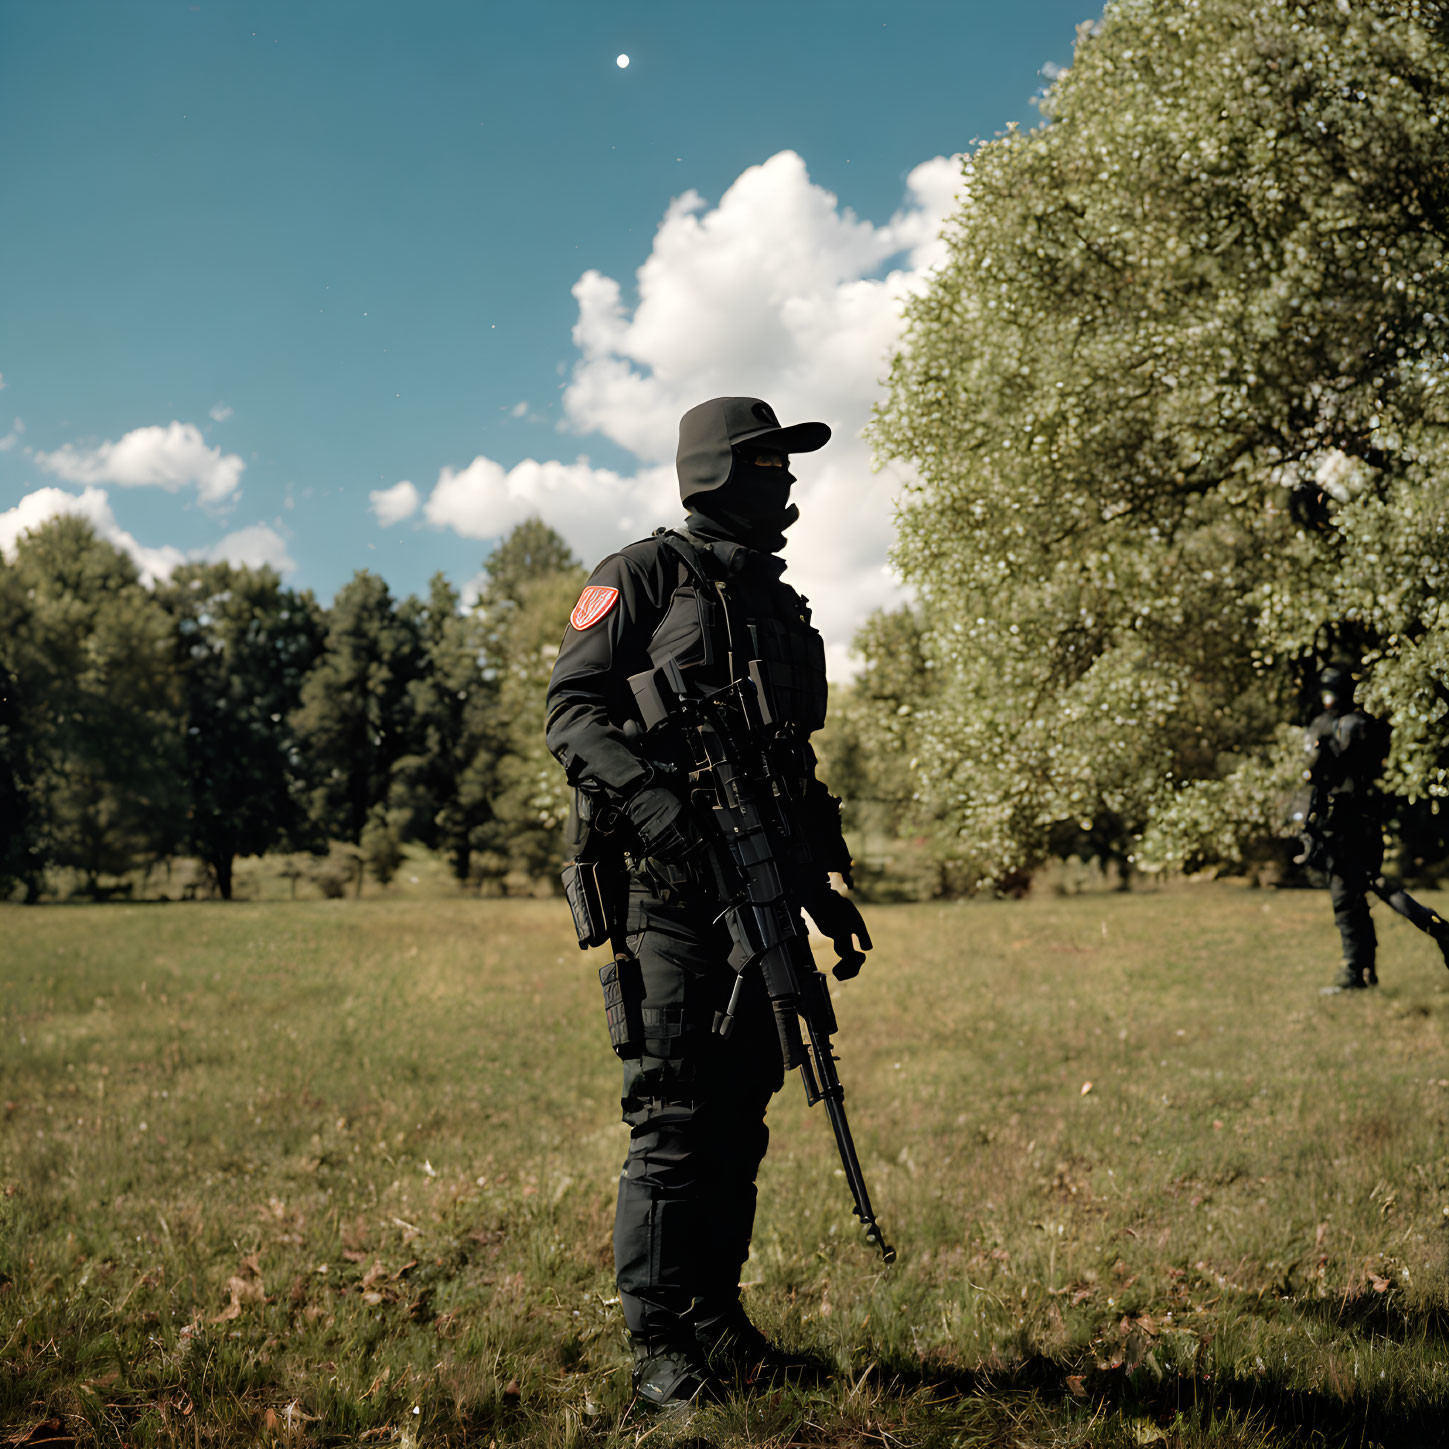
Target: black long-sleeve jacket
<point>643,606</point>
<point>1346,753</point>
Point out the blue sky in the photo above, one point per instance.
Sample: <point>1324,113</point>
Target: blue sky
<point>338,243</point>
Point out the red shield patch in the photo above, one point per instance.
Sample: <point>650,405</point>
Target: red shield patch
<point>593,604</point>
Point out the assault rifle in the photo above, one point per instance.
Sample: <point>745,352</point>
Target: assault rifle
<point>736,745</point>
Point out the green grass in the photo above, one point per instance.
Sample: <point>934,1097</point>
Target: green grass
<point>342,1173</point>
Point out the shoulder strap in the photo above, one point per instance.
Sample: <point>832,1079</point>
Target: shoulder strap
<point>693,560</point>
<point>688,555</point>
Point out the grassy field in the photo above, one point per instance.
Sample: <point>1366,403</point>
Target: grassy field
<point>342,1173</point>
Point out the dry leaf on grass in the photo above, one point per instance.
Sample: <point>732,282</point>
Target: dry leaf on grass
<point>245,1286</point>
<point>377,1383</point>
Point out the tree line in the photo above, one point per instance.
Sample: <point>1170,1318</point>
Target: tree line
<point>218,714</point>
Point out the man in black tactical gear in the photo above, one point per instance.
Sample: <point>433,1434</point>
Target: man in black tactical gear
<point>1346,750</point>
<point>695,1100</point>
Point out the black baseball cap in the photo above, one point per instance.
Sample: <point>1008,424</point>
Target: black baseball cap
<point>708,432</point>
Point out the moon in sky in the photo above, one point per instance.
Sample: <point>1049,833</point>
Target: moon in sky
<point>622,62</point>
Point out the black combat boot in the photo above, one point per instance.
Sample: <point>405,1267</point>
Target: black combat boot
<point>740,1354</point>
<point>1350,978</point>
<point>673,1375</point>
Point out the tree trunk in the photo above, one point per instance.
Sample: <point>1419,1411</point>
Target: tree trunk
<point>221,868</point>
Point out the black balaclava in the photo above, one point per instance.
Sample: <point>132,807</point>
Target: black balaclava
<point>728,495</point>
<point>752,506</point>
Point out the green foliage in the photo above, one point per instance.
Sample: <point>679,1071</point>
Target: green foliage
<point>244,645</point>
<point>220,715</point>
<point>92,748</point>
<point>868,745</point>
<point>1177,402</point>
<point>530,552</point>
<point>355,721</point>
<point>533,581</point>
<point>332,873</point>
<point>869,752</point>
<point>22,856</point>
<point>445,787</point>
<point>381,846</point>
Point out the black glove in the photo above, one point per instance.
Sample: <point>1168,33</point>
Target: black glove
<point>836,916</point>
<point>663,824</point>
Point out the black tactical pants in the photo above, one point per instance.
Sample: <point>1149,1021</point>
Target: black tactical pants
<point>1358,859</point>
<point>1358,855</point>
<point>695,1105</point>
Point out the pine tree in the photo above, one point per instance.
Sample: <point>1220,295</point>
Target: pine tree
<point>443,792</point>
<point>244,645</point>
<point>356,720</point>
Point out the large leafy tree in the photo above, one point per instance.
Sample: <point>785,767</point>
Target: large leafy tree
<point>92,748</point>
<point>868,746</point>
<point>355,720</point>
<point>1177,403</point>
<point>244,645</point>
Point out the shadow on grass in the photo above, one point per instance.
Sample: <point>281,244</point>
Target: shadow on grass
<point>1379,1313</point>
<point>48,1431</point>
<point>1319,1418</point>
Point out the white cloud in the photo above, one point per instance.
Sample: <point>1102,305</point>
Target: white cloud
<point>173,457</point>
<point>94,506</point>
<point>754,297</point>
<point>392,505</point>
<point>593,508</point>
<point>777,292</point>
<point>17,431</point>
<point>256,546</point>
<point>518,410</point>
<point>220,412</point>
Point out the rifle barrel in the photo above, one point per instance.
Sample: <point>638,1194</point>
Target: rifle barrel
<point>829,1090</point>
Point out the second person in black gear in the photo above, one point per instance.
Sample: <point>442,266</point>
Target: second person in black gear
<point>1346,750</point>
<point>694,1101</point>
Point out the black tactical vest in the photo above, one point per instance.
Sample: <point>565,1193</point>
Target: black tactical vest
<point>763,619</point>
